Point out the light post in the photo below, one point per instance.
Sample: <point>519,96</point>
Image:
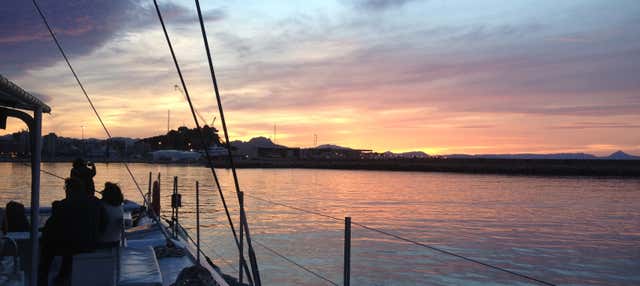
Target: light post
<point>83,144</point>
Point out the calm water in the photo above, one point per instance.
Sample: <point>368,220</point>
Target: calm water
<point>567,230</point>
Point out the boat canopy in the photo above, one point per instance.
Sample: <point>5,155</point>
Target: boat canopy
<point>12,98</point>
<point>11,95</point>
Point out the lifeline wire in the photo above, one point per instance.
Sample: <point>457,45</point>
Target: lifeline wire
<point>295,263</point>
<point>195,119</point>
<point>225,261</point>
<point>410,241</point>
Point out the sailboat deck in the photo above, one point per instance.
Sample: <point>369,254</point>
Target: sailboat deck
<point>170,266</point>
<point>134,264</point>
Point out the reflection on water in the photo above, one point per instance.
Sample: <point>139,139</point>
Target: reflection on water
<point>571,231</point>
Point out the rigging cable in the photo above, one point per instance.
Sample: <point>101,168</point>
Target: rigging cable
<point>295,263</point>
<point>46,172</point>
<point>195,119</point>
<point>229,149</point>
<point>437,249</point>
<point>225,261</point>
<point>95,111</point>
<point>252,256</point>
<point>197,112</point>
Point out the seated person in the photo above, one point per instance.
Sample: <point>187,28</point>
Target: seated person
<point>73,227</point>
<point>16,217</point>
<point>3,221</point>
<point>112,200</point>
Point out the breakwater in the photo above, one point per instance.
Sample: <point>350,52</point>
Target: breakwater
<point>626,168</point>
<point>565,167</point>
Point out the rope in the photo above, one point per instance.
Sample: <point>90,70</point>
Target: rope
<point>169,251</point>
<point>252,258</point>
<point>195,119</point>
<point>197,112</point>
<point>295,263</point>
<point>411,241</point>
<point>295,208</point>
<point>454,254</point>
<point>95,111</point>
<point>46,172</point>
<point>51,174</point>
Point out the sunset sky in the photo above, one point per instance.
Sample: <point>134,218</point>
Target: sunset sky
<point>438,76</point>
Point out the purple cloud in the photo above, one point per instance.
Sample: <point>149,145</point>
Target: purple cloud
<point>379,5</point>
<point>82,26</point>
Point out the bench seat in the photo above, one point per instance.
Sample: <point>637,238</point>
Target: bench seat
<point>139,267</point>
<point>96,268</point>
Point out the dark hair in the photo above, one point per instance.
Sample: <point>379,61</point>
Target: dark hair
<point>73,187</point>
<point>16,217</point>
<point>78,162</point>
<point>112,194</point>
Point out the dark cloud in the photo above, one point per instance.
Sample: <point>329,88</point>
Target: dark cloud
<point>214,15</point>
<point>43,97</point>
<point>379,5</point>
<point>597,125</point>
<point>476,126</point>
<point>600,110</point>
<point>82,26</point>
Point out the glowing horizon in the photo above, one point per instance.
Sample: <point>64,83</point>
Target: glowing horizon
<point>431,76</point>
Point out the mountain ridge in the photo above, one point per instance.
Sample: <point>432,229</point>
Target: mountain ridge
<point>618,155</point>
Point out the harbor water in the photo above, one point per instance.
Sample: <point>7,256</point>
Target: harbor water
<point>566,230</point>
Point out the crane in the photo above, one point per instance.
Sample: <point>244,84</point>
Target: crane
<point>176,87</point>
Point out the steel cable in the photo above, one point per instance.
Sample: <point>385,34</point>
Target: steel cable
<point>437,249</point>
<point>195,119</point>
<point>245,225</point>
<point>316,274</point>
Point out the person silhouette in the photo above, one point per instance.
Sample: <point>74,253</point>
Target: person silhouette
<point>82,171</point>
<point>16,217</point>
<point>112,200</point>
<point>74,226</point>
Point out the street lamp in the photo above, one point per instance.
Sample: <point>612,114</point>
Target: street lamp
<point>83,144</point>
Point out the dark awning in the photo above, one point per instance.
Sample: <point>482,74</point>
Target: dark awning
<point>11,95</point>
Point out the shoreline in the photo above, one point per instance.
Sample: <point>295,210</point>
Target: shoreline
<point>541,167</point>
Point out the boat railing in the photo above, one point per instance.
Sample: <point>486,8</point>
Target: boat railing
<point>364,234</point>
<point>351,229</point>
<point>46,211</point>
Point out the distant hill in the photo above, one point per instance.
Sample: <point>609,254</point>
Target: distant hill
<point>619,155</point>
<point>562,156</point>
<point>331,146</point>
<point>248,147</point>
<point>256,142</point>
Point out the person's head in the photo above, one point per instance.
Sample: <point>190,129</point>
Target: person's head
<point>15,208</point>
<point>74,187</point>
<point>79,162</point>
<point>16,217</point>
<point>112,194</point>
